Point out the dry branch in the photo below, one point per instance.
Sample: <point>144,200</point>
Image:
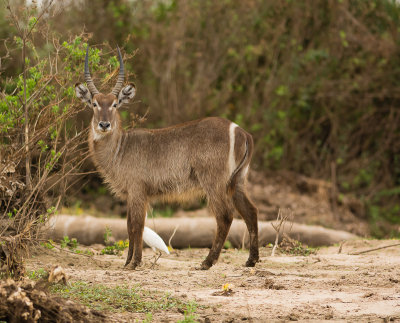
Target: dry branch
<point>172,235</point>
<point>373,249</point>
<point>279,226</point>
<point>27,168</point>
<point>341,246</point>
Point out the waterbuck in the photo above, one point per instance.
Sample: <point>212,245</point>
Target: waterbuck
<point>203,158</point>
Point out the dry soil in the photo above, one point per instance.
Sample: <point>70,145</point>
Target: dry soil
<point>325,286</point>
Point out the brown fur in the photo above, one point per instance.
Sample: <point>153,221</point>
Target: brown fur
<point>175,163</point>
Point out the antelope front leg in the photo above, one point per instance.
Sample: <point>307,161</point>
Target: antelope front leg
<point>136,219</point>
<point>130,236</point>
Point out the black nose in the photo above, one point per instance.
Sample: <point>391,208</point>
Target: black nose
<point>104,125</point>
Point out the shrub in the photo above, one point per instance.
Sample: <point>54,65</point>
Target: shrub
<point>40,145</point>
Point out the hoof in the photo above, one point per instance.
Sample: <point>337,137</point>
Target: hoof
<point>204,266</point>
<point>133,265</point>
<point>251,262</point>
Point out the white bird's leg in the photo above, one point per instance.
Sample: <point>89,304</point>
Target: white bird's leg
<point>156,259</point>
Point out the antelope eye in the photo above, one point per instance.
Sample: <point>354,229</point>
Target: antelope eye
<point>114,105</point>
<point>94,104</point>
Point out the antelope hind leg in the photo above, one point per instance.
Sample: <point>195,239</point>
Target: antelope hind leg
<point>249,214</point>
<point>224,217</point>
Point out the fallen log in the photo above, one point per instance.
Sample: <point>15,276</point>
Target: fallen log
<point>193,232</point>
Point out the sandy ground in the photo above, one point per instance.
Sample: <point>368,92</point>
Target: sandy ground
<point>325,286</point>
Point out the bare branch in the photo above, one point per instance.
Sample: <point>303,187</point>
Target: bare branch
<point>279,226</point>
<point>373,249</point>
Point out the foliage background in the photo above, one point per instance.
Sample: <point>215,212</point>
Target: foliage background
<point>315,82</point>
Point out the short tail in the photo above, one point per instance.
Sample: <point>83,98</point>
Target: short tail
<point>233,179</point>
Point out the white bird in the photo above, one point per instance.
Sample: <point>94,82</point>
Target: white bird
<point>154,241</point>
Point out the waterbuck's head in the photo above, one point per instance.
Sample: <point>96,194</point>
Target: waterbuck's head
<point>104,106</point>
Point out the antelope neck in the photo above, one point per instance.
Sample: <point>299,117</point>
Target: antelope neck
<point>106,148</point>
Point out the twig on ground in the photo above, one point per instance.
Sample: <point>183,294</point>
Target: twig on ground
<point>78,254</point>
<point>373,249</point>
<point>341,246</point>
<point>156,259</point>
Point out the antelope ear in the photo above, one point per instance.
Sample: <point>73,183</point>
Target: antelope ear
<point>83,93</point>
<point>127,93</point>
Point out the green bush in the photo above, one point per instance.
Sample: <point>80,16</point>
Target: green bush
<point>315,82</point>
<point>40,146</point>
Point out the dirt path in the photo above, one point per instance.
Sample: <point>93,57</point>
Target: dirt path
<point>325,286</point>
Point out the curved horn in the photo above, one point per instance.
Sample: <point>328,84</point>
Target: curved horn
<point>121,75</point>
<point>88,78</point>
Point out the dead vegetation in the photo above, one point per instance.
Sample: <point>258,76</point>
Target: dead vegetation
<point>283,242</point>
<point>294,247</point>
<point>279,226</point>
<point>29,301</point>
<point>41,151</point>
